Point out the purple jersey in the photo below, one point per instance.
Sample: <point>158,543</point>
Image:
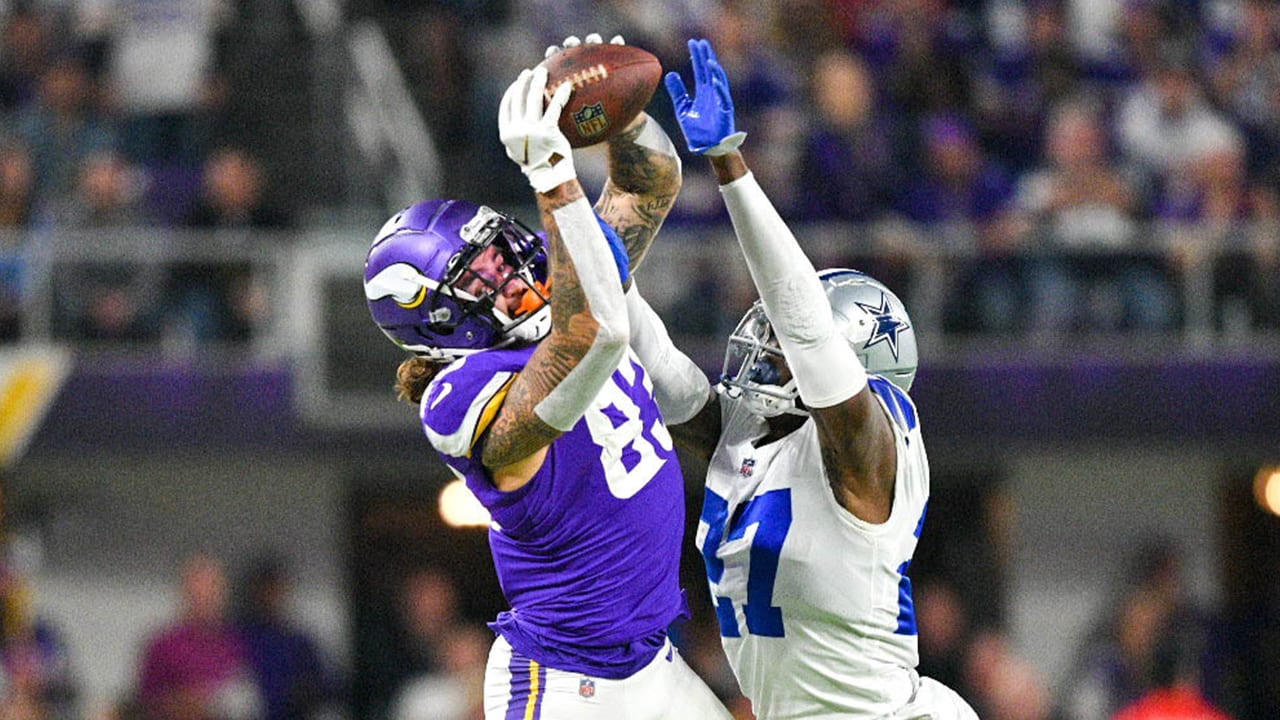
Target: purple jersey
<point>588,552</point>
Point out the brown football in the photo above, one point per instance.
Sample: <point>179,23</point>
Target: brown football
<point>611,85</point>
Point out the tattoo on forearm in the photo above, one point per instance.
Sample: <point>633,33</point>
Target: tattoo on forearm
<point>518,432</point>
<point>642,187</point>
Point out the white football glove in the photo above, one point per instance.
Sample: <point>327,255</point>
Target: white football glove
<point>573,41</point>
<point>531,135</point>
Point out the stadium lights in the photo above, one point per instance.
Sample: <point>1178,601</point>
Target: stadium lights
<point>1266,489</point>
<point>459,507</point>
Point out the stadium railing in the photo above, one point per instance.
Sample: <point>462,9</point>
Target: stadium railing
<point>155,295</point>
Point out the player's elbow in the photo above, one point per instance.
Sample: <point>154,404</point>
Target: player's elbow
<point>612,337</point>
<point>607,336</point>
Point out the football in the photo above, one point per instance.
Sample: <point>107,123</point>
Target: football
<point>611,85</point>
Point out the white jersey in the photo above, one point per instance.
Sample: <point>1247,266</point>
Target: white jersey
<point>814,604</point>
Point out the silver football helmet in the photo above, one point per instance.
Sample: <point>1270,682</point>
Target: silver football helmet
<point>867,314</point>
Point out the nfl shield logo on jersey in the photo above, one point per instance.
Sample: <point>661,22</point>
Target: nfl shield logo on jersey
<point>748,467</point>
<point>587,687</point>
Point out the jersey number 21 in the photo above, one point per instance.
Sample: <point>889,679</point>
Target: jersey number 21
<point>770,512</point>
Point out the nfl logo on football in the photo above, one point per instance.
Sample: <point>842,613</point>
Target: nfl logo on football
<point>587,687</point>
<point>590,120</point>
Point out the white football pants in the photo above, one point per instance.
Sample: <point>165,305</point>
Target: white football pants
<point>519,688</point>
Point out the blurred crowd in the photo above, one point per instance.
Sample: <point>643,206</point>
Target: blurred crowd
<point>233,646</point>
<point>228,651</point>
<point>117,115</point>
<point>1072,158</point>
<point>1088,151</point>
<point>1077,165</point>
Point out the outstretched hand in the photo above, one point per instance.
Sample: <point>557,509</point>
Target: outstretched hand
<point>532,135</point>
<point>706,119</point>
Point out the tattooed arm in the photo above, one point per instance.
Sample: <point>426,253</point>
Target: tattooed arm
<point>644,179</point>
<point>588,338</point>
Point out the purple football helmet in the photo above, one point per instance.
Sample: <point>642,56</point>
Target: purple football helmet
<point>412,274</point>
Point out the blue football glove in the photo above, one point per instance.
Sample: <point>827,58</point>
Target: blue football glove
<point>619,250</point>
<point>707,118</point>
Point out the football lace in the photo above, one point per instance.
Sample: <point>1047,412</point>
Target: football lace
<point>593,74</point>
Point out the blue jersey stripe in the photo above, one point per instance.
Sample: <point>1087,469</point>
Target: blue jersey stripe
<point>900,406</point>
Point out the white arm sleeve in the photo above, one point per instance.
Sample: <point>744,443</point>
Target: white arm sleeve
<point>679,385</point>
<point>826,369</point>
<point>602,285</point>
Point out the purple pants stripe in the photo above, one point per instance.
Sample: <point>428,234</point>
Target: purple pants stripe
<point>528,682</point>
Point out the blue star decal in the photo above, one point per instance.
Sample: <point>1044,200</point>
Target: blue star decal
<point>887,325</point>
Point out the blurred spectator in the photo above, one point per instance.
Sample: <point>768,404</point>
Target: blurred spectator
<point>1113,666</point>
<point>1165,119</point>
<point>25,45</point>
<point>763,78</point>
<point>425,611</point>
<point>1149,29</point>
<point>293,678</point>
<point>1216,216</point>
<point>108,194</point>
<point>927,54</point>
<point>17,186</point>
<point>1175,692</point>
<point>1083,204</point>
<point>764,91</point>
<point>1003,685</point>
<point>198,667</point>
<point>431,36</point>
<point>430,607</point>
<point>853,155</point>
<point>959,185</point>
<point>976,659</point>
<point>62,129</point>
<point>36,679</point>
<point>1246,80</point>
<point>1120,41</point>
<point>456,690</point>
<point>962,199</point>
<point>1032,69</point>
<point>922,51</point>
<point>104,298</point>
<point>804,29</point>
<point>946,630</point>
<point>234,194</point>
<point>702,288</point>
<point>225,300</point>
<point>1206,183</point>
<point>161,66</point>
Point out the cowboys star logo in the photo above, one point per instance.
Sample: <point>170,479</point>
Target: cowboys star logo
<point>887,325</point>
